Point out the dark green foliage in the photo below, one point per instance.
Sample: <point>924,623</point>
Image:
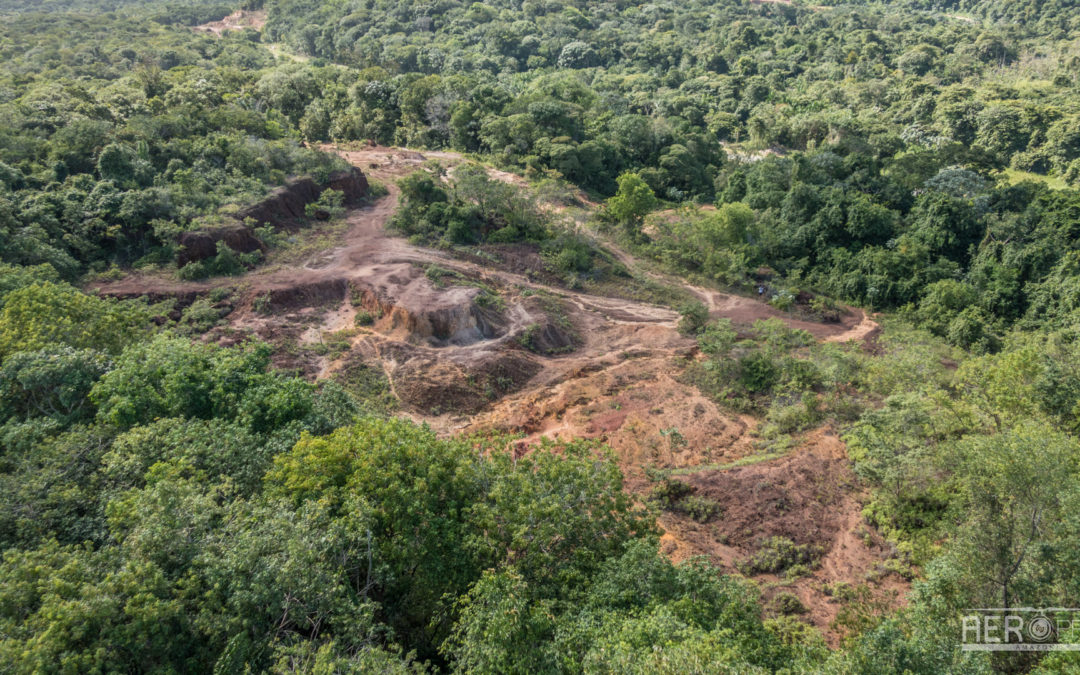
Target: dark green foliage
<point>174,506</point>
<point>474,208</point>
<point>109,170</point>
<point>171,377</point>
<point>693,318</point>
<point>675,495</point>
<point>777,370</point>
<point>668,492</point>
<point>50,382</point>
<point>226,263</point>
<point>786,602</point>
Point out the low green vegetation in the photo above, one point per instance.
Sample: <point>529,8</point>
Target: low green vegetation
<point>782,373</point>
<point>779,554</point>
<point>680,497</point>
<point>469,207</point>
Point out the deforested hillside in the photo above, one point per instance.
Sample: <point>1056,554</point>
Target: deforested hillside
<point>542,336</point>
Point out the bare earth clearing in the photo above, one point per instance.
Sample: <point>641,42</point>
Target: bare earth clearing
<point>238,20</point>
<point>491,343</point>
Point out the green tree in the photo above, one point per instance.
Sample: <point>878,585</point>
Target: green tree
<point>633,200</point>
<point>1013,485</point>
<point>47,314</point>
<point>52,382</point>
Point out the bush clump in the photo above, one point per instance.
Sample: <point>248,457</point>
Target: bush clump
<point>677,496</point>
<point>779,554</point>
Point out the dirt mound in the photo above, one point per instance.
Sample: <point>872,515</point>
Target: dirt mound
<point>238,20</point>
<point>411,308</point>
<point>455,320</point>
<point>202,244</point>
<point>549,329</point>
<point>794,497</point>
<point>520,258</point>
<point>314,294</point>
<point>547,338</point>
<point>434,387</point>
<point>630,401</point>
<point>283,208</point>
<point>352,183</point>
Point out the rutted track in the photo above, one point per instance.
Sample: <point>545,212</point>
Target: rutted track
<point>388,267</point>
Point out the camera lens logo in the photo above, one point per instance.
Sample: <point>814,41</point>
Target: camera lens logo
<point>1040,629</point>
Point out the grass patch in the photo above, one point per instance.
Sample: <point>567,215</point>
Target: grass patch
<point>1017,176</point>
<point>724,466</point>
<point>300,247</point>
<point>369,386</point>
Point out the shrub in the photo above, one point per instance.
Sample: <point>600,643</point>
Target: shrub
<point>669,491</point>
<point>227,262</point>
<point>717,338</point>
<point>758,372</point>
<point>363,318</point>
<point>261,303</point>
<point>376,189</point>
<point>328,206</point>
<point>784,300</point>
<point>677,496</point>
<point>778,554</point>
<point>694,317</point>
<point>699,508</point>
<point>786,602</point>
<point>200,316</point>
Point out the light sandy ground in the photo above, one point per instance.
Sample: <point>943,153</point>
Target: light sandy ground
<point>238,20</point>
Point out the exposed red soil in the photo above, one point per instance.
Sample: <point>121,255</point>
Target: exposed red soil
<point>548,361</point>
<point>238,20</point>
<point>810,497</point>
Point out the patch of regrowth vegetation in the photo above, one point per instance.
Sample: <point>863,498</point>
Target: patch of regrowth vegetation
<point>779,554</point>
<point>363,318</point>
<point>261,303</point>
<point>487,298</point>
<point>227,263</point>
<point>786,602</point>
<point>329,205</point>
<point>781,372</point>
<point>367,385</point>
<point>332,345</point>
<point>202,315</point>
<point>693,318</point>
<point>680,497</point>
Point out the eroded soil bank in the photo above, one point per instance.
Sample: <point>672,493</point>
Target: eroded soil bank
<point>476,347</point>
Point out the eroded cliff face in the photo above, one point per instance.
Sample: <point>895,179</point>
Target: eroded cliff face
<point>201,244</point>
<point>283,209</point>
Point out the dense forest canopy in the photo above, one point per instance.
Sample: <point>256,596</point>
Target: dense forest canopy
<point>173,505</point>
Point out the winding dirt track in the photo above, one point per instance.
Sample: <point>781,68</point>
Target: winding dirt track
<point>368,245</point>
<point>369,254</point>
